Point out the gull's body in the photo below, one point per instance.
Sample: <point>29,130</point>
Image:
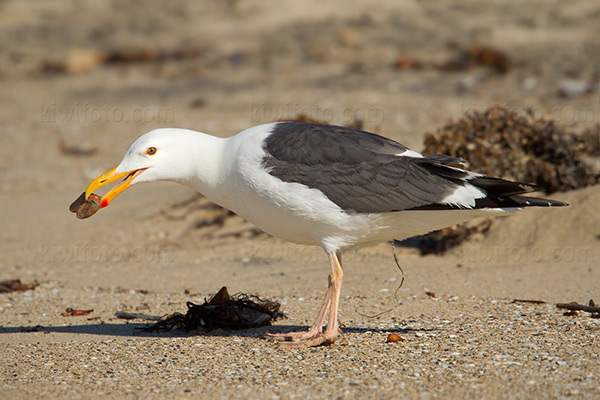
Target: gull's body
<point>322,185</point>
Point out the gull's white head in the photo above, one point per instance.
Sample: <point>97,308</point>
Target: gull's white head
<point>161,154</point>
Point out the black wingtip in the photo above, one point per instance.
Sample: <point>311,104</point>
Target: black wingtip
<point>502,187</point>
<point>554,203</point>
<point>523,201</point>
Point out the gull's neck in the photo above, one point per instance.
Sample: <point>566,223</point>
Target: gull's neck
<point>207,172</point>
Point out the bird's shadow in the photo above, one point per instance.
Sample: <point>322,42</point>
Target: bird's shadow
<point>137,330</point>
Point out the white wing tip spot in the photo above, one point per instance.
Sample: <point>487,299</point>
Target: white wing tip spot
<point>410,153</point>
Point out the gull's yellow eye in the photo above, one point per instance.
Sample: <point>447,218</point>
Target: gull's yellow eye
<point>151,151</point>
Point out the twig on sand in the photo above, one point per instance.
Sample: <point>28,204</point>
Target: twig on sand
<point>529,301</point>
<point>129,315</point>
<point>574,306</point>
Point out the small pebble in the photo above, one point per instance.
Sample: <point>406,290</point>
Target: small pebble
<point>393,337</point>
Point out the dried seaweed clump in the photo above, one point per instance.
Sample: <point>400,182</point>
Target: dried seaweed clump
<point>439,242</point>
<point>222,311</point>
<point>505,144</point>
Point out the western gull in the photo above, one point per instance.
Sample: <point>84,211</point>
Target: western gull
<point>315,184</point>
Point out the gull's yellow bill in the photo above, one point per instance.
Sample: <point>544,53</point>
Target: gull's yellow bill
<point>109,177</point>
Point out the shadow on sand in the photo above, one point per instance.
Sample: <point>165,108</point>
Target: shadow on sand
<point>136,330</point>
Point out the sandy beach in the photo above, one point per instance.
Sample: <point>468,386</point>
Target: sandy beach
<point>80,82</point>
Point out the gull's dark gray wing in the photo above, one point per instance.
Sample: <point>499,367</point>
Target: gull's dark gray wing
<point>367,173</point>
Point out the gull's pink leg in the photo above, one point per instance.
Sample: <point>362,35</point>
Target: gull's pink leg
<point>333,328</point>
<point>317,327</point>
<point>333,298</point>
